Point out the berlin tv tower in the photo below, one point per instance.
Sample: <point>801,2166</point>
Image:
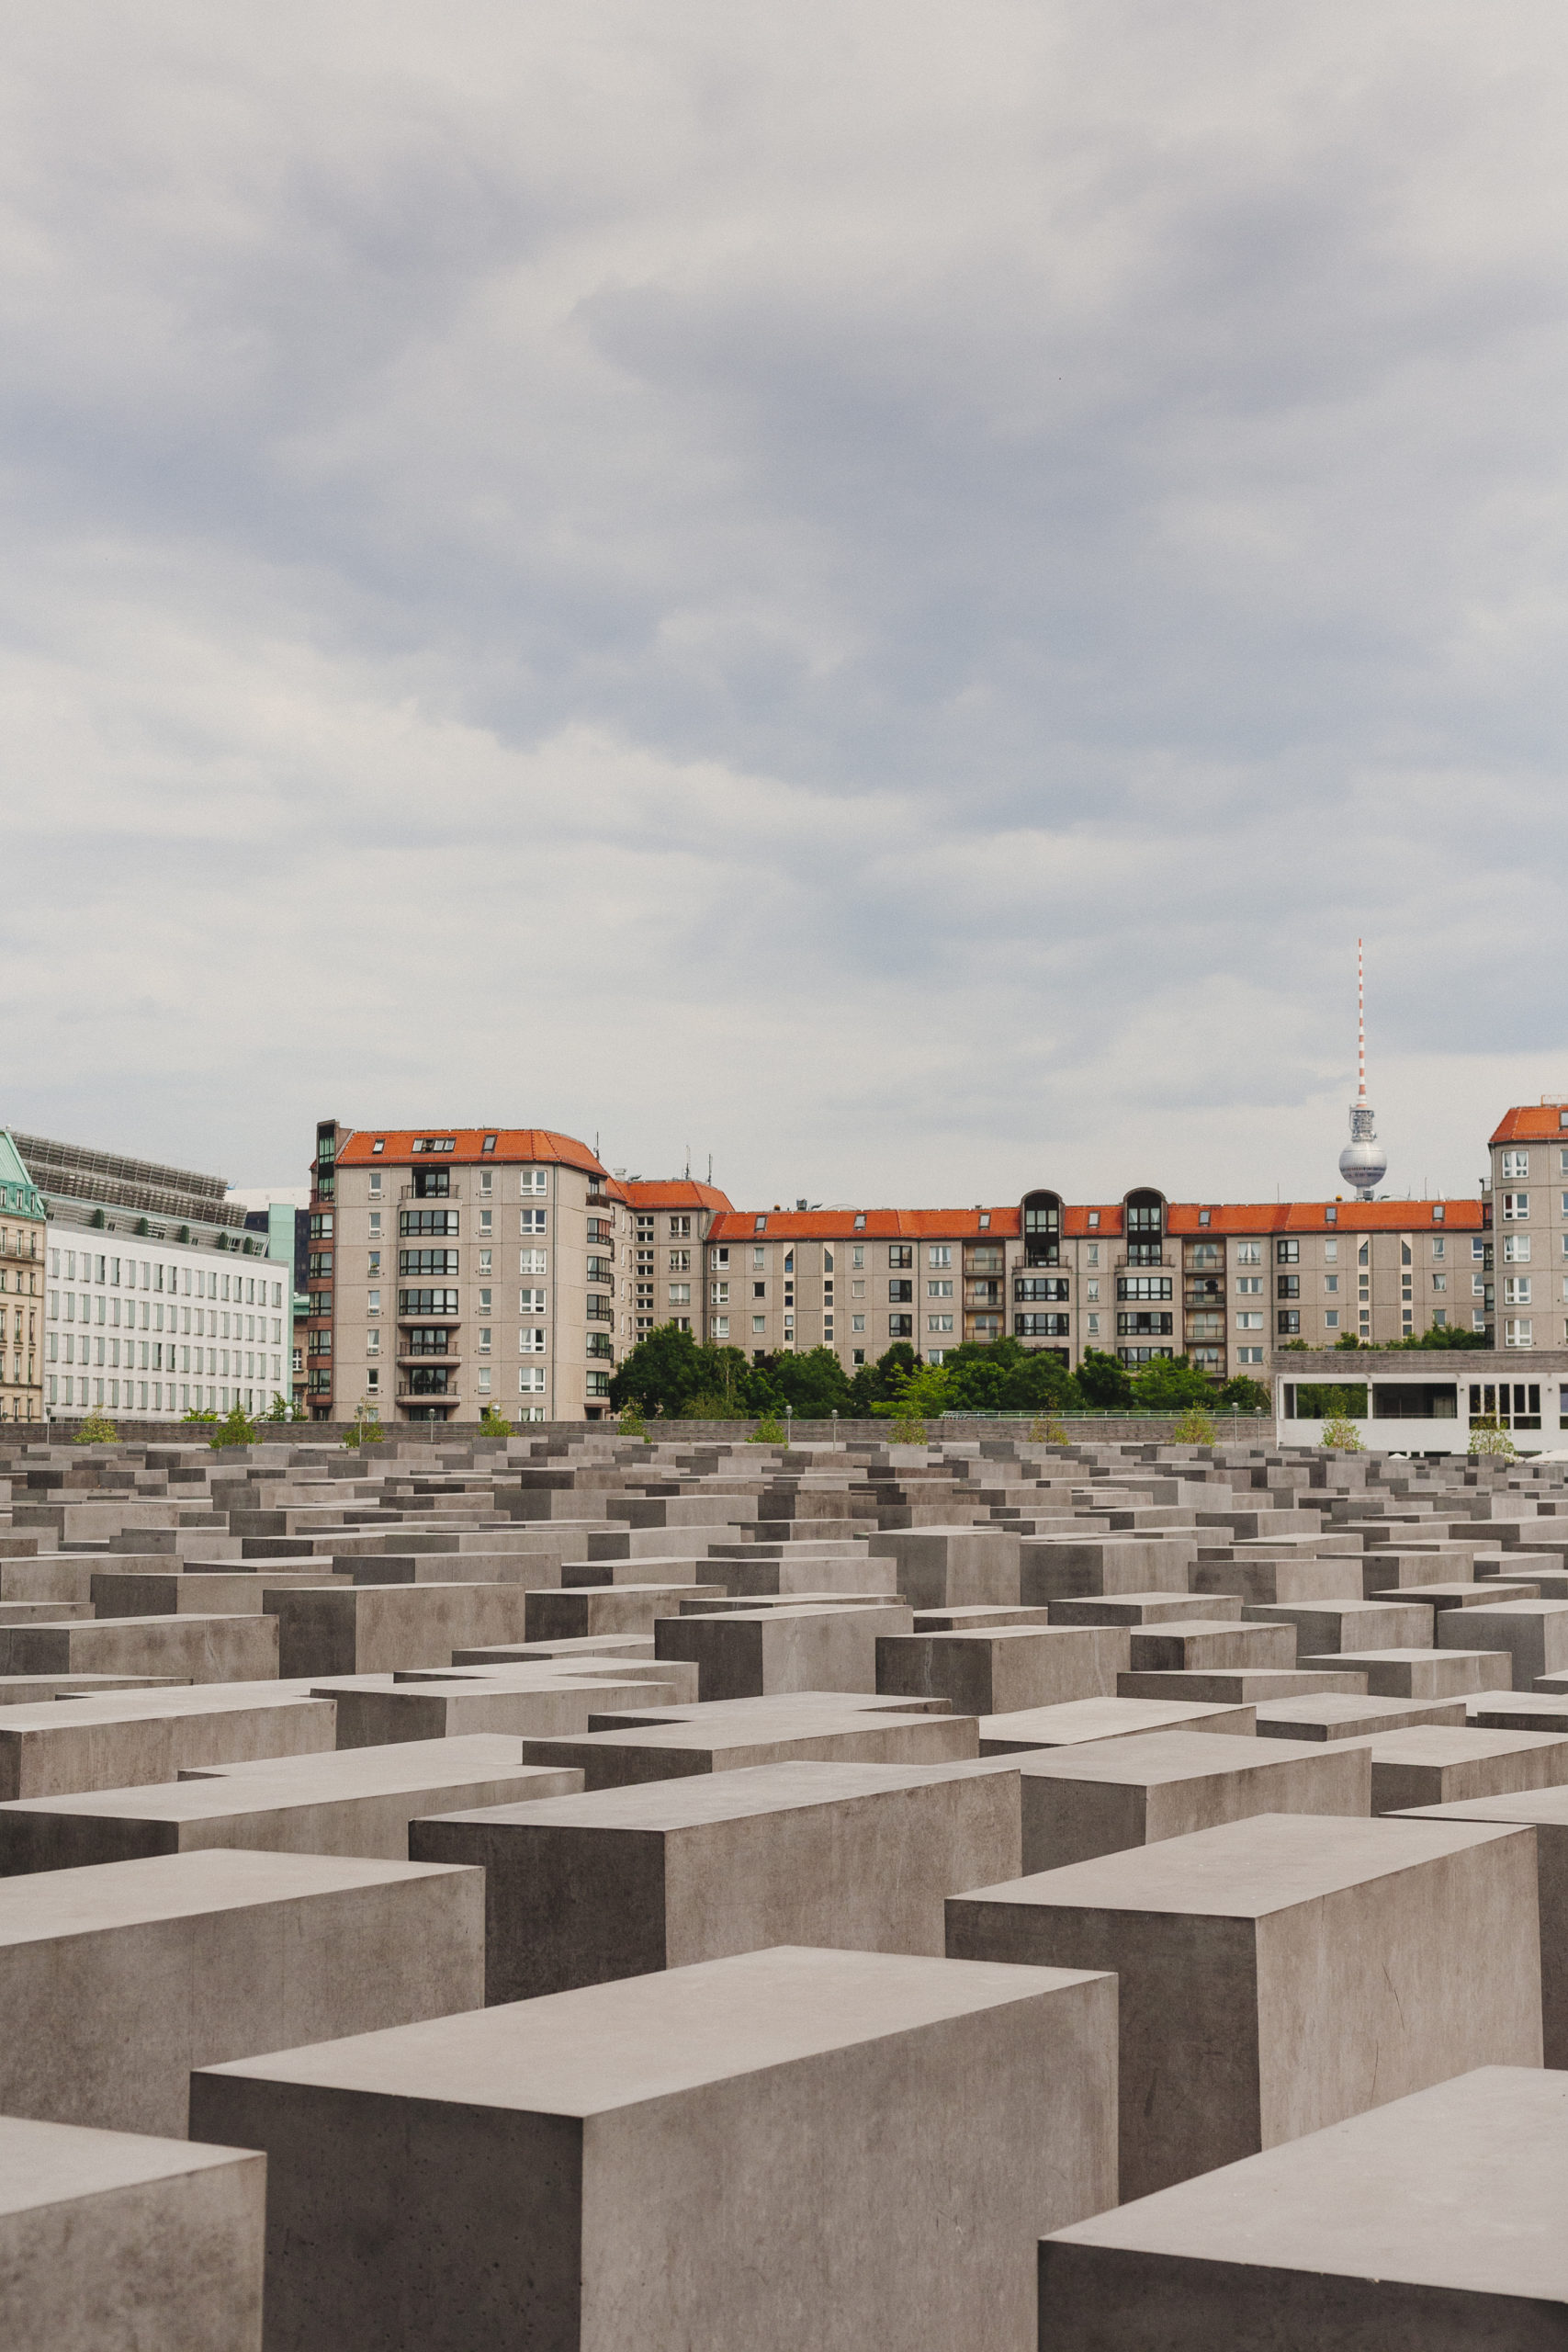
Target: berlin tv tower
<point>1364,1162</point>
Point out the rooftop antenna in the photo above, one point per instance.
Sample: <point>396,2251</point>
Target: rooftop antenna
<point>1364,1162</point>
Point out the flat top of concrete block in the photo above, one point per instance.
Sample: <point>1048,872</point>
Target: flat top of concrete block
<point>1080,1719</point>
<point>1396,1658</point>
<point>99,1896</point>
<point>1244,1870</point>
<point>1150,1759</point>
<point>1521,1609</point>
<point>63,2164</point>
<point>182,1698</point>
<point>608,2046</point>
<point>785,1708</point>
<point>339,1776</point>
<point>1346,1706</point>
<point>1492,1593</point>
<point>1549,1808</point>
<point>725,1796</point>
<point>1460,2186</point>
<point>1454,1742</point>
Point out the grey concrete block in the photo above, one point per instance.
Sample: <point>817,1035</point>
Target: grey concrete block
<point>1545,1811</point>
<point>372,1629</point>
<point>1424,1674</point>
<point>522,1701</point>
<point>1333,1579</point>
<point>107,2240</point>
<point>751,1654</point>
<point>1534,1633</point>
<point>1431,2224</point>
<point>801,1727</point>
<point>115,1981</point>
<point>1117,1718</point>
<point>1337,1714</point>
<point>585,1889</point>
<point>1062,1567</point>
<point>357,1801</point>
<point>1205,1643</point>
<point>133,1737</point>
<point>209,1649</point>
<point>941,1568</point>
<point>1340,1625</point>
<point>1280,1974</point>
<point>787,2147</point>
<point>1006,1668</point>
<point>1101,1795</point>
<point>1144,1609</point>
<point>1436,1765</point>
<point>1236,1686</point>
<point>609,1609</point>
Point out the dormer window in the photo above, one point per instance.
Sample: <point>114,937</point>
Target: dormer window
<point>379,1143</point>
<point>761,1224</point>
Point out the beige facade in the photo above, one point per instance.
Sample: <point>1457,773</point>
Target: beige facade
<point>1228,1285</point>
<point>23,1240</point>
<point>1530,1202</point>
<point>459,1269</point>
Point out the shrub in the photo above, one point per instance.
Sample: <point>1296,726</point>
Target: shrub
<point>1047,1433</point>
<point>768,1432</point>
<point>1487,1436</point>
<point>1340,1435</point>
<point>238,1429</point>
<point>1195,1426</point>
<point>96,1431</point>
<point>491,1424</point>
<point>633,1424</point>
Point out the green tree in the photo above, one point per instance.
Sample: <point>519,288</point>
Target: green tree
<point>661,1374</point>
<point>1103,1381</point>
<point>1341,1436</point>
<point>1246,1396</point>
<point>1195,1427</point>
<point>493,1423</point>
<point>97,1430</point>
<point>1166,1384</point>
<point>1444,1335</point>
<point>877,1383</point>
<point>237,1429</point>
<point>281,1409</point>
<point>812,1384</point>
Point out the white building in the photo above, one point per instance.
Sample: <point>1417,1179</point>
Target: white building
<point>158,1301</point>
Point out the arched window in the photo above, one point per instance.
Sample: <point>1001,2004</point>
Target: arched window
<point>1143,1225</point>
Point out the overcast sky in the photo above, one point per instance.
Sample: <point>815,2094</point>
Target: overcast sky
<point>875,590</point>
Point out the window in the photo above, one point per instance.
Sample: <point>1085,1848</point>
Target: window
<point>1331,1213</point>
<point>1249,1355</point>
<point>1139,1286</point>
<point>1094,1217</point>
<point>1440,1281</point>
<point>1249,1322</point>
<point>758,1290</point>
<point>1517,1291</point>
<point>1518,1335</point>
<point>1287,1287</point>
<point>1439,1212</point>
<point>721,1258</point>
<point>1287,1254</point>
<point>1290,1322</point>
<point>857,1322</point>
<point>530,1379</point>
<point>1250,1285</point>
<point>1331,1284</point>
<point>531,1220</point>
<point>1515,1167</point>
<point>1029,1289</point>
<point>760,1225</point>
<point>1203,1216</point>
<point>681,1261</point>
<point>1249,1253</point>
<point>901,1326</point>
<point>1515,1207</point>
<point>532,1180</point>
<point>1516,1249</point>
<point>721,1327</point>
<point>939,1322</point>
<point>827,1262</point>
<point>680,1293</point>
<point>1041,1326</point>
<point>1331,1320</point>
<point>530,1302</point>
<point>900,1255</point>
<point>1140,1324</point>
<point>940,1254</point>
<point>680,1228</point>
<point>718,1294</point>
<point>1331,1253</point>
<point>1478,1248</point>
<point>531,1341</point>
<point>532,1261</point>
<point>760,1324</point>
<point>1440,1249</point>
<point>858,1259</point>
<point>759,1261</point>
<point>901,1294</point>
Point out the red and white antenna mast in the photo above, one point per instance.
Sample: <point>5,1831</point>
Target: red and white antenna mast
<point>1361,1025</point>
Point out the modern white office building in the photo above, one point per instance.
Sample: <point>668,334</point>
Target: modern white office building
<point>158,1300</point>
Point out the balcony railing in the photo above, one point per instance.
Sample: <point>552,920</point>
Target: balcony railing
<point>1144,1253</point>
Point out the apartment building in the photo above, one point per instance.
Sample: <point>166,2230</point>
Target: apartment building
<point>1227,1284</point>
<point>23,1259</point>
<point>668,1226</point>
<point>156,1300</point>
<point>450,1269</point>
<point>1529,1198</point>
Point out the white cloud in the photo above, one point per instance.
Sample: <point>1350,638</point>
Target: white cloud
<point>882,592</point>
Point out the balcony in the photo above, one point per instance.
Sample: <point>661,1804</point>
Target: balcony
<point>1041,1254</point>
<point>1144,1253</point>
<point>437,1380</point>
<point>983,1293</point>
<point>1206,1293</point>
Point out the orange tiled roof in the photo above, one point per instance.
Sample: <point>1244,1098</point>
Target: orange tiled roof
<point>1531,1123</point>
<point>678,1192</point>
<point>1181,1218</point>
<point>528,1146</point>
